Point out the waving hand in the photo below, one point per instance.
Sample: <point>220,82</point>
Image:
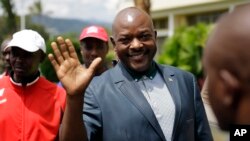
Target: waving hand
<point>74,77</point>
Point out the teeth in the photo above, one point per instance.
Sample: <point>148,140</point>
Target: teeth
<point>136,54</point>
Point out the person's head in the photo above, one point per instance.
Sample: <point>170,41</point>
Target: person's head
<point>28,50</point>
<point>5,54</point>
<point>93,44</point>
<point>227,63</point>
<point>134,39</point>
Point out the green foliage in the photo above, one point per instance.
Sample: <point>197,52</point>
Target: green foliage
<point>47,68</point>
<point>9,17</point>
<point>184,49</point>
<point>110,56</point>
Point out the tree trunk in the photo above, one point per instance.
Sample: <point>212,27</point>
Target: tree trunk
<point>11,16</point>
<point>11,19</point>
<point>143,4</point>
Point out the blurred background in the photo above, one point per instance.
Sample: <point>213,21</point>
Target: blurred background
<point>182,26</point>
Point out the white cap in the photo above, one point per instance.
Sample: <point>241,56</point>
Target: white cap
<point>28,40</point>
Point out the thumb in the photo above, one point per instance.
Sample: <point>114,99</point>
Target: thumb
<point>94,64</point>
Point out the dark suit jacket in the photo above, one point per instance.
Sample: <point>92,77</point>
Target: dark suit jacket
<point>116,110</point>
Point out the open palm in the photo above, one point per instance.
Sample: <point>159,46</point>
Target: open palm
<point>73,76</point>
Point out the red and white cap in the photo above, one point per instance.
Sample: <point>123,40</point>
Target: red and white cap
<point>95,32</point>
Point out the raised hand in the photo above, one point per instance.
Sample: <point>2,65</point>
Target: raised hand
<point>73,76</point>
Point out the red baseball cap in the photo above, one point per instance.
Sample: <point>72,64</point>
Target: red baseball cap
<point>95,32</point>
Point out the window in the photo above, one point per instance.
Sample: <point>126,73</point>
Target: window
<point>161,23</point>
<point>208,17</point>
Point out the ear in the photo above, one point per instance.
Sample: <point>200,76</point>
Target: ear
<point>42,56</point>
<point>113,42</point>
<point>81,52</point>
<point>107,47</point>
<point>155,34</point>
<point>232,86</point>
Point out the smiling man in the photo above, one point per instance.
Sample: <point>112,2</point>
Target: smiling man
<point>138,99</point>
<point>31,107</point>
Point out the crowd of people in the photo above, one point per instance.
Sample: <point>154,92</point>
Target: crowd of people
<point>137,99</point>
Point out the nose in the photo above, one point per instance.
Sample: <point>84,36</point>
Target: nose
<point>7,56</point>
<point>135,43</point>
<point>94,52</point>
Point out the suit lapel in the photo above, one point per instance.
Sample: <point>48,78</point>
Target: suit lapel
<point>172,84</point>
<point>130,89</point>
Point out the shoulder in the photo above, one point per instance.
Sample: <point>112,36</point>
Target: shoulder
<point>4,80</point>
<point>53,90</point>
<point>106,81</point>
<point>49,86</point>
<point>101,79</point>
<point>174,71</point>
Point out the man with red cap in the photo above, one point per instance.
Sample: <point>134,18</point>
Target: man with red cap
<point>93,44</point>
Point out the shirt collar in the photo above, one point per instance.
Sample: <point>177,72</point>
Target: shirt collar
<point>149,74</point>
<point>27,82</point>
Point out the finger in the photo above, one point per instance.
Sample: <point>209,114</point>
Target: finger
<point>57,53</point>
<point>63,47</point>
<point>72,51</point>
<point>66,66</point>
<point>53,62</point>
<point>94,65</point>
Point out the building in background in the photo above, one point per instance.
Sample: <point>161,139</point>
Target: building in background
<point>169,14</point>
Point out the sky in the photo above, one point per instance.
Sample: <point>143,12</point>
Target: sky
<point>103,10</point>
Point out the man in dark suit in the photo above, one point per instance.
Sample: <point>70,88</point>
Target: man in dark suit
<point>138,99</point>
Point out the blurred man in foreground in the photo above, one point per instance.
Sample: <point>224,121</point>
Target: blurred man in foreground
<point>227,63</point>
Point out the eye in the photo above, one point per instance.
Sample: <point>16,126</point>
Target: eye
<point>88,47</point>
<point>100,45</point>
<point>145,37</point>
<point>124,40</point>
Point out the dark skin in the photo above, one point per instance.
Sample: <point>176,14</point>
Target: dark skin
<point>75,79</point>
<point>227,64</point>
<point>6,55</point>
<point>134,40</point>
<point>25,64</point>
<point>92,48</point>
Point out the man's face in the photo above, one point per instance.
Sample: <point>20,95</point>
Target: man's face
<point>135,42</point>
<point>24,64</point>
<point>92,48</point>
<point>6,58</point>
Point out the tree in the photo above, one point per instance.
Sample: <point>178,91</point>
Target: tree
<point>9,16</point>
<point>184,49</point>
<point>143,4</point>
<point>47,68</point>
<point>36,8</point>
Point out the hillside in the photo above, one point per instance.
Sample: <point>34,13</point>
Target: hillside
<point>60,26</point>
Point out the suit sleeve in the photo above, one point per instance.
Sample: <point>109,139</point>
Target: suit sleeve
<point>203,132</point>
<point>92,116</point>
